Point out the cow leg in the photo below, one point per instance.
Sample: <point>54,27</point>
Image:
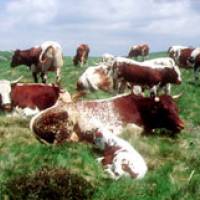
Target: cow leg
<point>34,75</point>
<point>43,77</point>
<point>196,72</point>
<point>167,89</point>
<point>122,87</point>
<point>58,72</point>
<point>153,91</point>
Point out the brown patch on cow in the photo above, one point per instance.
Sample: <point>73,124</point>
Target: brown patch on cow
<point>127,169</point>
<point>109,154</point>
<point>184,56</point>
<point>34,95</point>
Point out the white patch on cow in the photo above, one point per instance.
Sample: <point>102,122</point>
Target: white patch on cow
<point>107,58</point>
<point>25,112</point>
<point>5,90</point>
<point>195,53</point>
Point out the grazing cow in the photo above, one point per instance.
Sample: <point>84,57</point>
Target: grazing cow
<point>29,98</point>
<point>173,49</point>
<point>138,50</point>
<point>46,57</point>
<point>119,157</point>
<point>144,74</point>
<point>126,112</point>
<point>81,56</point>
<point>95,78</point>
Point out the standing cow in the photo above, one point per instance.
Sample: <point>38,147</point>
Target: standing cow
<point>81,56</point>
<point>41,59</point>
<point>138,50</point>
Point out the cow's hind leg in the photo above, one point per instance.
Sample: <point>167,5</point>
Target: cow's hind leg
<point>196,72</point>
<point>43,77</point>
<point>34,75</point>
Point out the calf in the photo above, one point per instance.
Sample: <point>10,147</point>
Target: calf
<point>81,56</point>
<point>119,157</point>
<point>135,113</point>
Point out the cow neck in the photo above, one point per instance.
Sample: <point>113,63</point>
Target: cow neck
<point>30,58</point>
<point>145,107</point>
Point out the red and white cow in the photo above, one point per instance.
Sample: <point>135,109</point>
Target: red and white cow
<point>81,56</point>
<point>27,98</point>
<point>181,57</point>
<point>194,61</point>
<point>96,78</point>
<point>172,51</point>
<point>41,59</point>
<point>154,74</point>
<point>119,157</point>
<point>138,50</point>
<point>126,112</point>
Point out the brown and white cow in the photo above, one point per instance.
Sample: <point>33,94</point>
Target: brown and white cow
<point>126,112</point>
<point>194,61</point>
<point>27,98</point>
<point>96,78</point>
<point>144,74</point>
<point>119,157</point>
<point>41,59</point>
<point>173,49</point>
<point>138,50</point>
<point>81,56</point>
<point>182,56</point>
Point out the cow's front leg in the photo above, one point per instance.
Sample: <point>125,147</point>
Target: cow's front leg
<point>34,75</point>
<point>58,77</point>
<point>196,72</point>
<point>43,77</point>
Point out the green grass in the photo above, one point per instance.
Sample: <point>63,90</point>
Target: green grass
<point>174,163</point>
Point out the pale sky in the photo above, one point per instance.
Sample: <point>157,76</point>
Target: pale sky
<point>107,26</point>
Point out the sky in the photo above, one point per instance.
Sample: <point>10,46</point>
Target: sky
<point>107,26</point>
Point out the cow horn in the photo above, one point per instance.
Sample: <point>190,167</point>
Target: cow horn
<point>78,95</point>
<point>17,80</point>
<point>177,96</point>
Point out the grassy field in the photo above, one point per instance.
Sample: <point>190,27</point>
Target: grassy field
<point>174,163</point>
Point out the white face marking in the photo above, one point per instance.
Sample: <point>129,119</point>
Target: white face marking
<point>5,90</point>
<point>195,53</point>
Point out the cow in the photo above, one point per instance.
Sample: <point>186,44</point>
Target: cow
<point>96,78</point>
<point>40,59</point>
<point>138,50</point>
<point>181,57</point>
<point>173,49</point>
<point>81,56</point>
<point>194,61</point>
<point>119,157</point>
<point>27,98</point>
<point>121,113</point>
<point>145,74</point>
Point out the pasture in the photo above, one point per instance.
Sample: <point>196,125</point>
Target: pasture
<point>173,162</point>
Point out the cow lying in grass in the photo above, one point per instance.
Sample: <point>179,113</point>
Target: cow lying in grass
<point>27,98</point>
<point>135,113</point>
<point>119,157</point>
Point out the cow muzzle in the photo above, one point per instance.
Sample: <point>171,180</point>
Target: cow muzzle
<point>7,107</point>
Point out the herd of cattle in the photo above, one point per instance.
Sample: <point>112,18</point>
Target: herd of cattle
<point>59,117</point>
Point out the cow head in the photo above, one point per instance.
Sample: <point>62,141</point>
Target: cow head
<point>16,59</point>
<point>5,91</point>
<point>163,113</point>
